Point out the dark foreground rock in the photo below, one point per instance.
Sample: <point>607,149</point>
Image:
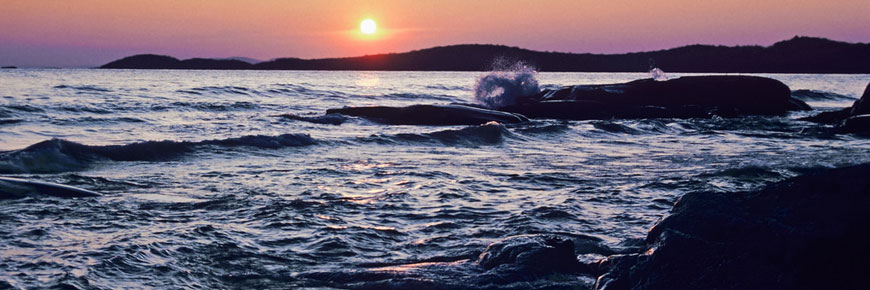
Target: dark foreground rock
<point>443,115</point>
<point>685,97</point>
<point>808,232</point>
<point>854,119</point>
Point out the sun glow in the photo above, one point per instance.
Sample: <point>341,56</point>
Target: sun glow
<point>368,26</point>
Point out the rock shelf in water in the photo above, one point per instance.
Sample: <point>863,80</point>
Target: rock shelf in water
<point>685,97</point>
<point>453,114</point>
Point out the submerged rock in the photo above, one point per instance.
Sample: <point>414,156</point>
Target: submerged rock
<point>530,254</point>
<point>443,115</point>
<point>807,232</point>
<point>685,97</point>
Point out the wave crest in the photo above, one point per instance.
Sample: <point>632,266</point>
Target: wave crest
<point>506,85</point>
<point>491,133</point>
<point>58,155</point>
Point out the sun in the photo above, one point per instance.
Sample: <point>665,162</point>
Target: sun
<point>368,26</point>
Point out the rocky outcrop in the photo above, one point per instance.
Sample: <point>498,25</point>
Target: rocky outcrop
<point>685,97</point>
<point>854,119</point>
<point>807,232</point>
<point>453,114</point>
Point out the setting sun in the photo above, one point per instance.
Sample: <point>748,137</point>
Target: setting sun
<point>368,26</point>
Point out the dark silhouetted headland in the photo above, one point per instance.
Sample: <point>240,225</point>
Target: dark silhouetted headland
<point>153,61</point>
<point>797,55</point>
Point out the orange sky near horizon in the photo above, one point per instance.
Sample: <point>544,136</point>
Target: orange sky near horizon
<point>93,32</point>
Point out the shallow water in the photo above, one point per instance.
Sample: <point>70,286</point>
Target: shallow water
<point>204,188</point>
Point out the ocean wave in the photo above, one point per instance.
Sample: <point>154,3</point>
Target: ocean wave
<point>58,155</point>
<point>814,95</point>
<point>614,127</point>
<point>636,127</point>
<point>506,85</point>
<point>217,107</point>
<point>301,90</point>
<point>85,120</point>
<point>749,172</point>
<point>7,121</point>
<point>84,88</point>
<point>446,87</point>
<point>8,109</point>
<point>220,90</point>
<point>487,134</point>
<point>544,129</point>
<point>410,96</point>
<point>88,109</point>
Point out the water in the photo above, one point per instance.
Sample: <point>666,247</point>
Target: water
<point>204,188</point>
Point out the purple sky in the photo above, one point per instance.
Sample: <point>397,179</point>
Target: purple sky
<point>85,33</point>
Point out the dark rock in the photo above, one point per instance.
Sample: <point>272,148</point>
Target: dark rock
<point>685,97</point>
<point>795,104</point>
<point>530,254</point>
<point>862,106</point>
<point>9,67</point>
<point>831,117</point>
<point>331,119</point>
<point>807,232</point>
<point>856,124</point>
<point>853,119</point>
<point>453,114</point>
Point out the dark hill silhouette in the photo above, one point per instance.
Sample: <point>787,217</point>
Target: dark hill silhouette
<point>153,61</point>
<point>797,55</point>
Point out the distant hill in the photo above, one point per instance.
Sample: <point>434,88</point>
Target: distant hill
<point>153,61</point>
<point>240,58</point>
<point>796,55</point>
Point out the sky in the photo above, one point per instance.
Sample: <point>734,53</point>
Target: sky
<point>88,33</point>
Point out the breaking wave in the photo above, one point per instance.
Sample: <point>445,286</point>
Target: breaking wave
<point>491,133</point>
<point>85,88</point>
<point>814,95</point>
<point>506,85</point>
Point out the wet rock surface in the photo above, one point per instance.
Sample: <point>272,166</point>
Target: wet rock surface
<point>685,97</point>
<point>531,254</point>
<point>808,232</point>
<point>438,115</point>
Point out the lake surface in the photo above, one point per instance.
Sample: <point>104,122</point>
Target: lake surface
<point>203,187</point>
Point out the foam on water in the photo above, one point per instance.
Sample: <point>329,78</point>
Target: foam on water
<point>506,85</point>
